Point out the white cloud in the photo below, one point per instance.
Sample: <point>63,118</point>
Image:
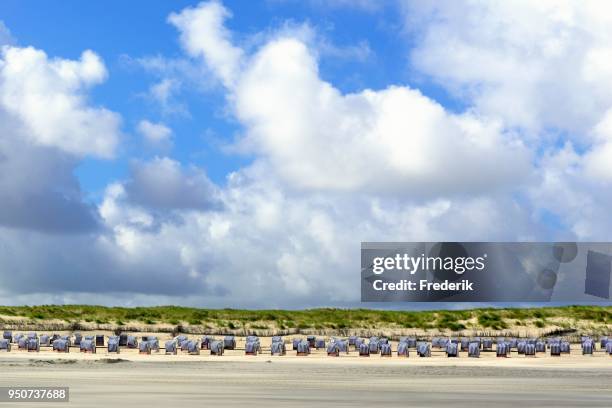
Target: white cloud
<point>598,165</point>
<point>265,247</point>
<point>162,183</point>
<point>49,97</point>
<point>393,139</point>
<point>46,126</point>
<point>5,35</point>
<point>332,170</point>
<point>204,35</point>
<point>384,140</point>
<point>286,232</point>
<point>155,134</point>
<point>535,64</point>
<point>543,68</point>
<point>163,90</point>
<point>38,190</point>
<point>302,254</point>
<point>358,52</point>
<point>576,184</point>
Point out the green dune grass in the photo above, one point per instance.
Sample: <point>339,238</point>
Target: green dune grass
<point>599,318</point>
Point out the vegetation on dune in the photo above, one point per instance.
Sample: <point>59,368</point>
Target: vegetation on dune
<point>315,319</point>
<point>492,320</point>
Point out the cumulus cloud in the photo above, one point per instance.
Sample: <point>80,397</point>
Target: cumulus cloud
<point>537,65</point>
<point>333,169</point>
<point>46,126</point>
<point>286,231</point>
<point>38,190</point>
<point>163,184</point>
<point>95,264</point>
<point>597,159</point>
<point>155,134</point>
<point>48,96</point>
<point>542,68</point>
<point>204,35</point>
<point>576,184</point>
<point>386,140</point>
<point>266,247</point>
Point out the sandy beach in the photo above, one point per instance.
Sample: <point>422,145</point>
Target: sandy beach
<point>134,380</point>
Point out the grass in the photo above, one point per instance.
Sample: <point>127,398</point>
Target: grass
<point>492,320</point>
<point>317,319</point>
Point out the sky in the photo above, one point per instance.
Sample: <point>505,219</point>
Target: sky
<point>236,154</point>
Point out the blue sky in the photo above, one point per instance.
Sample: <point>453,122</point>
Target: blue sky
<point>116,30</point>
<point>277,130</point>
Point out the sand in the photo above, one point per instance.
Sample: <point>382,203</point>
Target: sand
<point>157,380</point>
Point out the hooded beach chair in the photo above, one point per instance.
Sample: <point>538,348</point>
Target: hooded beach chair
<point>303,348</point>
<point>278,348</point>
<point>502,349</point>
<point>5,345</point>
<point>565,347</point>
<point>216,348</point>
<point>452,350</point>
<point>364,350</point>
<point>343,346</point>
<point>87,346</point>
<point>132,342</point>
<point>530,350</point>
<point>311,341</point>
<point>402,350</point>
<point>229,342</point>
<point>333,350</point>
<point>555,349</point>
<point>385,350</point>
<point>251,348</point>
<point>194,348</point>
<point>204,341</point>
<point>170,347</point>
<point>474,350</point>
<point>61,346</point>
<point>424,350</point>
<point>144,347</point>
<point>113,346</point>
<point>374,346</point>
